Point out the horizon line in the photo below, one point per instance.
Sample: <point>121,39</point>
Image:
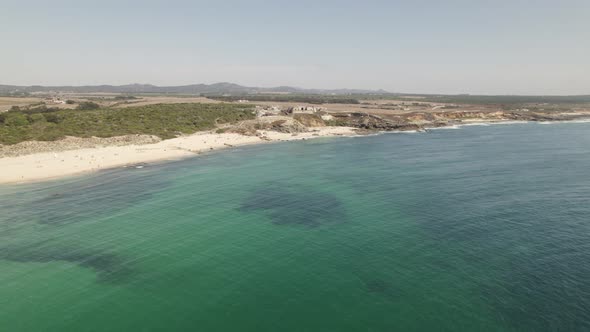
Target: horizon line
<point>368,91</point>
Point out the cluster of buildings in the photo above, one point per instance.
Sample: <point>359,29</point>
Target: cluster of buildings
<point>55,100</point>
<point>306,109</point>
<point>276,110</point>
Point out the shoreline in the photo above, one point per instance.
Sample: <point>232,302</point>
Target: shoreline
<point>43,166</point>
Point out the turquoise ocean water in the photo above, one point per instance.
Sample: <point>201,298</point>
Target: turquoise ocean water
<point>483,228</point>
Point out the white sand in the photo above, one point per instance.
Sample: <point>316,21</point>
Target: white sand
<point>43,166</point>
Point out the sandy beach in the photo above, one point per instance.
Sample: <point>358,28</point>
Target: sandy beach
<point>50,165</point>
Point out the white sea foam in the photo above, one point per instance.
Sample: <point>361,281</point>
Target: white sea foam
<point>447,127</point>
<point>482,124</point>
<point>407,131</point>
<point>567,121</point>
<point>508,122</point>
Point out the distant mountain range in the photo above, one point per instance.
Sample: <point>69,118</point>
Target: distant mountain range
<point>193,89</point>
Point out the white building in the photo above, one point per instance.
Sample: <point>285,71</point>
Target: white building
<point>307,109</point>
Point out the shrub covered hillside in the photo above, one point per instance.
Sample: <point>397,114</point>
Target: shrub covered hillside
<point>163,120</point>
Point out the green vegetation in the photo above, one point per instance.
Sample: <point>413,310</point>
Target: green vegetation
<point>338,122</point>
<point>163,120</point>
<point>309,99</point>
<point>87,105</point>
<point>309,120</point>
<point>33,108</point>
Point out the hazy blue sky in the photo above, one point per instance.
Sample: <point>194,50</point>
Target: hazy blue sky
<point>491,47</point>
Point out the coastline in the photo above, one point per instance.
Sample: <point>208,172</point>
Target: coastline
<point>44,166</point>
<point>123,151</point>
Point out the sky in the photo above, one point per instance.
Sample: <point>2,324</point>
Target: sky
<point>477,46</point>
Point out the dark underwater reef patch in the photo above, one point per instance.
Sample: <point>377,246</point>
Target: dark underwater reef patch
<point>294,205</point>
<point>109,267</point>
<point>381,286</point>
<point>377,286</point>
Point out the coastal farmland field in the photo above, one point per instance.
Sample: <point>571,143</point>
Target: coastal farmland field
<point>7,102</point>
